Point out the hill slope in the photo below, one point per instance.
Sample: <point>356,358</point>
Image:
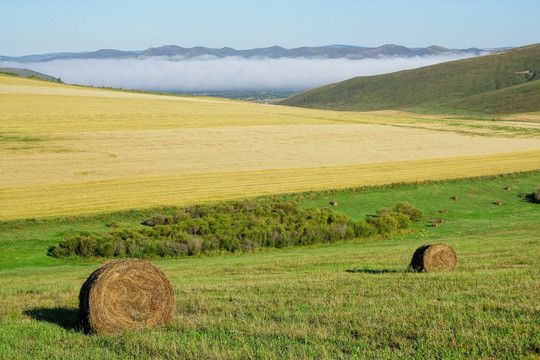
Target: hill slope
<point>25,73</point>
<point>522,98</point>
<point>447,83</point>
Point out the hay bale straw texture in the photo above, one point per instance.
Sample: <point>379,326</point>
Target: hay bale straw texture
<point>125,294</point>
<point>434,257</point>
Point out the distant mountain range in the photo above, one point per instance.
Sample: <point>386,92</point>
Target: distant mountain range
<point>274,52</point>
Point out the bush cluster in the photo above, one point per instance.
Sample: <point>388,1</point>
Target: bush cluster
<point>233,227</point>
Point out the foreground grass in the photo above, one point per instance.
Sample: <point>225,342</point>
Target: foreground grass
<point>350,300</point>
<point>345,301</point>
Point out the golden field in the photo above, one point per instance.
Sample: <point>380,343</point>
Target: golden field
<point>68,150</point>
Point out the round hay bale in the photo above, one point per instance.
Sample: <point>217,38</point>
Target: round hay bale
<point>454,197</point>
<point>125,294</point>
<point>498,202</point>
<point>507,188</point>
<point>434,257</point>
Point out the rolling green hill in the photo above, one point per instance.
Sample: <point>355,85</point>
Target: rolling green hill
<point>511,100</point>
<point>489,84</point>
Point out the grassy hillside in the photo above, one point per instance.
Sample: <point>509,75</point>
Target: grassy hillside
<point>511,100</point>
<point>451,83</point>
<point>348,300</point>
<point>25,73</point>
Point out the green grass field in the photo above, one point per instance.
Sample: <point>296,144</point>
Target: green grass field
<point>348,300</point>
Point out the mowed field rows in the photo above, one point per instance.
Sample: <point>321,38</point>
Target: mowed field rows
<point>70,150</point>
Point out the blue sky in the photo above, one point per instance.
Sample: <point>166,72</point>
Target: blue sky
<point>33,27</point>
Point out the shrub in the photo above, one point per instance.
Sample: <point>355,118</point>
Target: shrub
<point>383,212</point>
<point>233,227</point>
<point>403,221</point>
<point>413,213</point>
<point>248,245</point>
<point>119,249</point>
<point>194,246</point>
<point>364,229</point>
<point>175,249</point>
<point>157,219</point>
<point>385,224</point>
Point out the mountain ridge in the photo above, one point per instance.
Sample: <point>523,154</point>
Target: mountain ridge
<point>327,51</point>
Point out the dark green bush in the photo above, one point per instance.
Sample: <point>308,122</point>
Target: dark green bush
<point>413,213</point>
<point>233,227</point>
<point>385,223</point>
<point>364,229</point>
<point>403,221</point>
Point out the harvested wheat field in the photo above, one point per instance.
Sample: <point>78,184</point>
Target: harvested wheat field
<point>74,150</point>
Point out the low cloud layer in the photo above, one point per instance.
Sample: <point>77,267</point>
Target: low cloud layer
<point>231,73</point>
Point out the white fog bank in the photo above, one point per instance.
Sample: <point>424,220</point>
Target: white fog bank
<point>230,73</point>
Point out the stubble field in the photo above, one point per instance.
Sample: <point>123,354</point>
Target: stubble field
<point>71,150</point>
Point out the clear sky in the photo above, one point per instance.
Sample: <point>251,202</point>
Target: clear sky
<point>37,26</point>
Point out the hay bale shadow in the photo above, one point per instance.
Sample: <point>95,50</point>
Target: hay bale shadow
<point>372,271</point>
<point>528,198</point>
<point>50,251</point>
<point>64,317</point>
